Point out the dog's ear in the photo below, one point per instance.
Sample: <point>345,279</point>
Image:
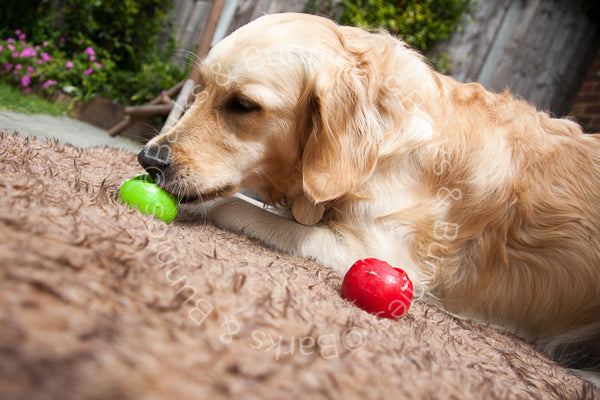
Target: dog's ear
<point>341,150</point>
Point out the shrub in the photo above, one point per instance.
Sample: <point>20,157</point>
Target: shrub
<point>126,29</point>
<point>107,47</point>
<point>19,14</point>
<point>420,23</point>
<point>45,67</point>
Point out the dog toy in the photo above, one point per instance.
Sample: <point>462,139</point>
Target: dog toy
<point>149,198</point>
<point>378,288</point>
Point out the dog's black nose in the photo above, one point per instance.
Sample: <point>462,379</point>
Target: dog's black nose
<point>155,160</point>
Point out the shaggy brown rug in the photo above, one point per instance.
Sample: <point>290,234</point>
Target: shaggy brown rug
<point>100,302</point>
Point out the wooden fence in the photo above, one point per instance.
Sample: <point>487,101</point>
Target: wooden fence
<point>252,9</point>
<point>189,17</point>
<point>540,49</point>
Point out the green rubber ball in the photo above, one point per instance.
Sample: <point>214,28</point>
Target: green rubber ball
<point>149,198</point>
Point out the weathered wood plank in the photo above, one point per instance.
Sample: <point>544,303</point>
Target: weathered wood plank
<point>537,48</point>
<point>536,54</point>
<point>521,59</point>
<point>578,54</point>
<point>182,17</point>
<point>249,10</point>
<point>195,24</point>
<point>468,48</point>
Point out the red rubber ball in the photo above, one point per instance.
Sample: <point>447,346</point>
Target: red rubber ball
<point>378,288</point>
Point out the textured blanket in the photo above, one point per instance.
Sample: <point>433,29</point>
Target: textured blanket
<point>98,301</point>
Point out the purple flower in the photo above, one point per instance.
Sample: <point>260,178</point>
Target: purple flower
<point>30,69</point>
<point>92,58</point>
<point>49,83</point>
<point>69,64</point>
<point>1,48</point>
<point>22,36</point>
<point>62,39</point>
<point>26,80</point>
<point>89,51</point>
<point>18,67</point>
<point>46,57</point>
<point>88,71</point>
<point>15,54</point>
<point>28,52</point>
<point>26,90</point>
<point>17,32</point>
<point>8,66</point>
<point>10,40</point>
<point>45,44</point>
<point>99,65</point>
<point>10,47</point>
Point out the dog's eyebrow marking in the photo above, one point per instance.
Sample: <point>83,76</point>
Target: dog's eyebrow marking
<point>235,92</point>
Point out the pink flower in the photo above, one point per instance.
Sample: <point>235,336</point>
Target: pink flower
<point>10,40</point>
<point>26,90</point>
<point>22,36</point>
<point>99,65</point>
<point>39,62</point>
<point>8,66</point>
<point>45,44</point>
<point>88,71</point>
<point>17,32</point>
<point>46,57</point>
<point>69,64</point>
<point>89,51</point>
<point>10,47</point>
<point>18,67</point>
<point>1,48</point>
<point>92,58</point>
<point>15,54</point>
<point>62,39</point>
<point>49,83</point>
<point>28,52</point>
<point>30,69</point>
<point>26,80</point>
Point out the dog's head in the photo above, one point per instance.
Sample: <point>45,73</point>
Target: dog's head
<point>284,108</point>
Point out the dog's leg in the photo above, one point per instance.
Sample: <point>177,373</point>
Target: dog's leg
<point>240,214</point>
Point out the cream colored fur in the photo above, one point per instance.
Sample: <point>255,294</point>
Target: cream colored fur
<point>492,207</point>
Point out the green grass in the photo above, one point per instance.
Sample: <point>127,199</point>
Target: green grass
<point>11,99</point>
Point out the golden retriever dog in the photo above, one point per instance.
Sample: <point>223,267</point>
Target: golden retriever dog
<point>491,206</point>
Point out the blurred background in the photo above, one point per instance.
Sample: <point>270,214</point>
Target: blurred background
<point>92,59</point>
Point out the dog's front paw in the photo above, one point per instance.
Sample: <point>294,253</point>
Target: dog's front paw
<point>200,211</point>
<point>229,213</point>
<point>241,214</point>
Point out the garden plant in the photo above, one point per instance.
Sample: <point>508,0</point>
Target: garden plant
<point>114,48</point>
<point>420,23</point>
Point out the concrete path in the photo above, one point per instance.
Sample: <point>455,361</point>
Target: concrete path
<point>65,129</point>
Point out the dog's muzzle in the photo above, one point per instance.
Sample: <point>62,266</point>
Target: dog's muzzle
<point>156,161</point>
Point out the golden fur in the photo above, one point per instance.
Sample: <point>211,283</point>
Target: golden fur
<point>491,206</point>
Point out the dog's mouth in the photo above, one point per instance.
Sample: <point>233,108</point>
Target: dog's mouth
<point>186,191</point>
<point>187,198</point>
<point>222,191</point>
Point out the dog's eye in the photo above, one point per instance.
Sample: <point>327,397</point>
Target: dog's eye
<point>241,105</point>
